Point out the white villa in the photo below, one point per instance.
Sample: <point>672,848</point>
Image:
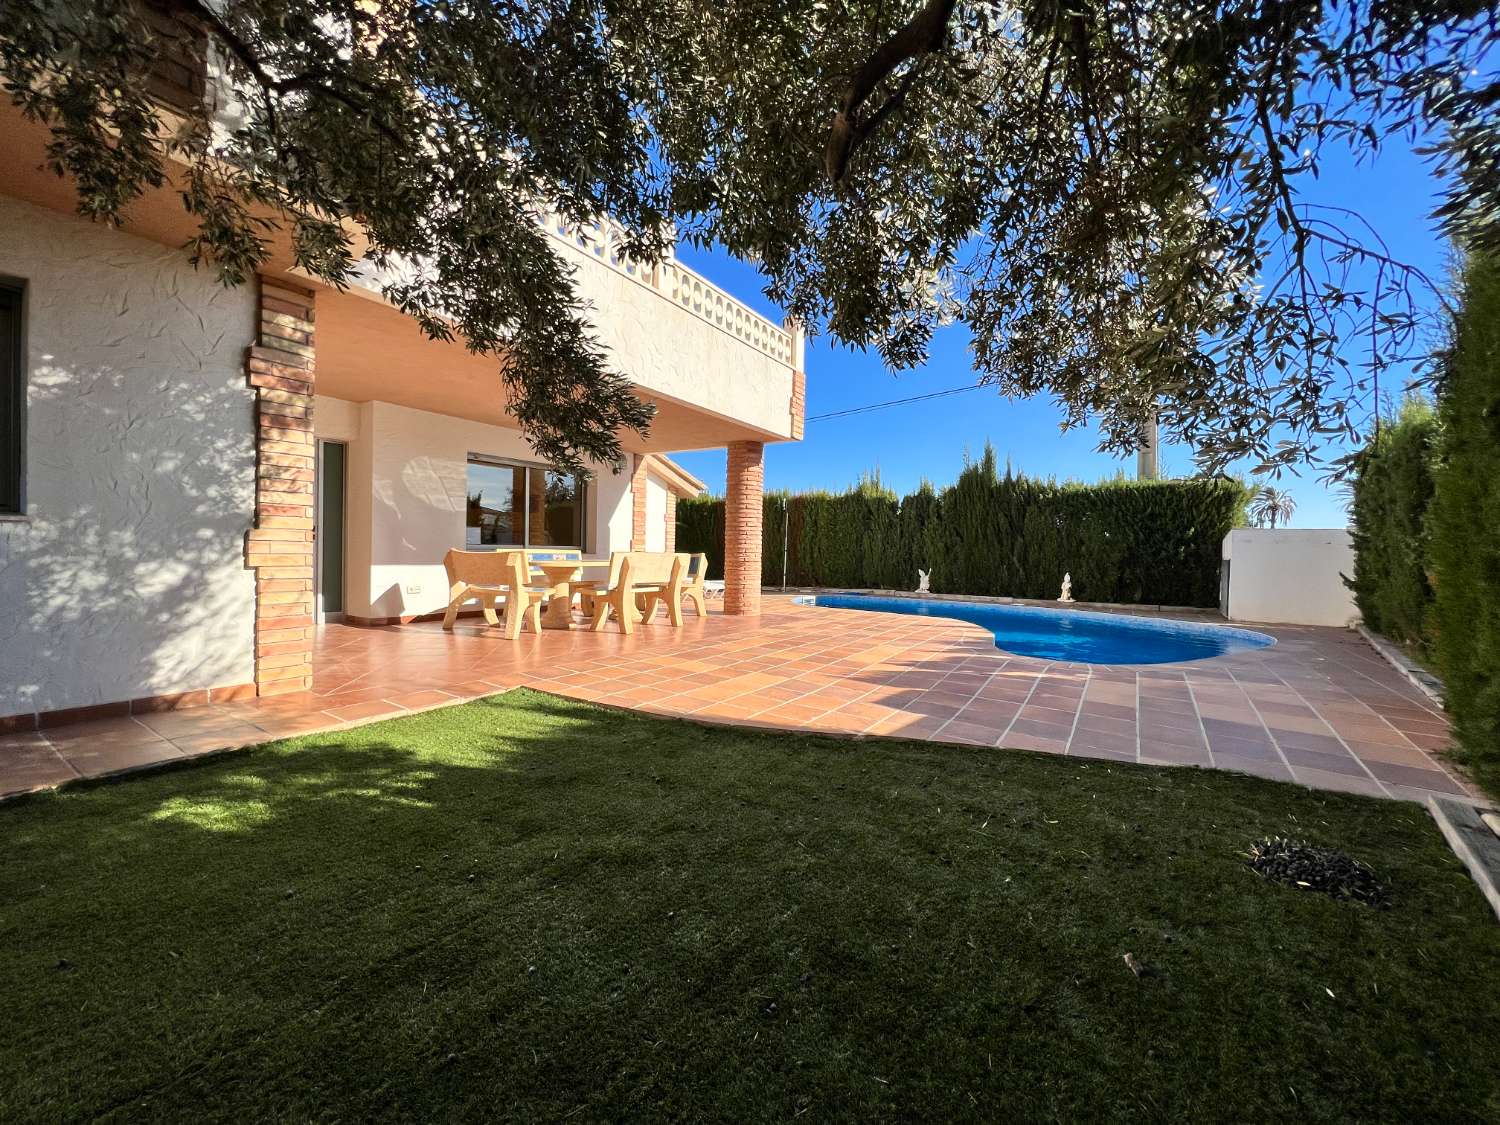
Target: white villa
<point>193,478</point>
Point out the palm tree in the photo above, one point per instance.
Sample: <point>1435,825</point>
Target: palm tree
<point>1272,506</point>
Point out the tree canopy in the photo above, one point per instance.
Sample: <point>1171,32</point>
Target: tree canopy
<point>1108,193</point>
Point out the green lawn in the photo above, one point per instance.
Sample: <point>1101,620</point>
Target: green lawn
<point>527,908</point>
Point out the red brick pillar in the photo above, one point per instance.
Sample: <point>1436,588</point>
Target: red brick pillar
<point>671,521</point>
<point>742,519</point>
<point>799,404</point>
<point>280,547</point>
<point>638,504</point>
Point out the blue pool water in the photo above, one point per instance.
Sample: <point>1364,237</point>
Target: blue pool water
<point>1071,634</point>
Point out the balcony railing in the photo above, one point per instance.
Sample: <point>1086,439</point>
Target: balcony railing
<point>601,240</point>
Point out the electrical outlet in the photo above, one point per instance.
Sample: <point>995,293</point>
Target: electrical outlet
<point>414,588</point>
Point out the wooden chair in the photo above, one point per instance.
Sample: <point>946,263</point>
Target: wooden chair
<point>693,588</point>
<point>488,577</point>
<point>638,582</point>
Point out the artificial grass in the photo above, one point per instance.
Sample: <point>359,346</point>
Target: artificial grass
<point>526,908</point>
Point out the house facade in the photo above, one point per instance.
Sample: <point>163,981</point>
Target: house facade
<point>193,479</point>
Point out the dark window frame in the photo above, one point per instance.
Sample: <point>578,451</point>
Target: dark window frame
<point>12,397</point>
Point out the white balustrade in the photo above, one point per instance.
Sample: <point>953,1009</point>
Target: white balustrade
<point>602,239</point>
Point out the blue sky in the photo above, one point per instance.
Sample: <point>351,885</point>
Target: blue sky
<point>1395,193</point>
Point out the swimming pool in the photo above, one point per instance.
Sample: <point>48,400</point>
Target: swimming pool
<point>1070,634</point>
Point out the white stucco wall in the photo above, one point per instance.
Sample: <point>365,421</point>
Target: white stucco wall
<point>127,576</point>
<point>407,489</point>
<point>656,513</point>
<point>1289,577</point>
<point>335,419</point>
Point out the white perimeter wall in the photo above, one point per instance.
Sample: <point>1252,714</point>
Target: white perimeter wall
<point>407,499</point>
<point>1290,577</point>
<point>128,578</point>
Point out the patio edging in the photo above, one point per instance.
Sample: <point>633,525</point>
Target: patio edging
<point>1420,678</point>
<point>187,761</point>
<point>187,700</point>
<point>1476,847</point>
<point>726,723</point>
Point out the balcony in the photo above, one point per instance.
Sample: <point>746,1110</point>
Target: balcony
<point>679,336</point>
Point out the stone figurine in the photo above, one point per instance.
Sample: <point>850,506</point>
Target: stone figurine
<point>922,579</point>
<point>1067,589</point>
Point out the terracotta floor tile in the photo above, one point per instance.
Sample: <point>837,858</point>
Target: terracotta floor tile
<point>1243,748</point>
<point>907,726</point>
<point>95,760</point>
<point>1394,755</point>
<point>1104,724</point>
<point>292,725</point>
<point>845,671</point>
<point>1026,725</point>
<point>101,733</point>
<point>28,761</point>
<point>975,734</point>
<point>355,712</point>
<point>1260,767</point>
<point>1171,736</point>
<point>1174,755</point>
<point>1362,783</point>
<point>1431,780</point>
<point>1019,740</point>
<point>1077,749</point>
<point>1381,735</point>
<point>1301,740</point>
<point>1054,715</point>
<point>1326,762</point>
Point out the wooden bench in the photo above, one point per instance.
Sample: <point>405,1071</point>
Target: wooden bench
<point>490,577</point>
<point>638,582</point>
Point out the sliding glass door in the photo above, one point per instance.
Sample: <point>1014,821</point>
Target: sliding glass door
<point>330,529</point>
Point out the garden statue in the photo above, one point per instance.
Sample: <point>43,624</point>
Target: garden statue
<point>1067,589</point>
<point>922,579</point>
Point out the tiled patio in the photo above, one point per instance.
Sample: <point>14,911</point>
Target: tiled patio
<point>1320,707</point>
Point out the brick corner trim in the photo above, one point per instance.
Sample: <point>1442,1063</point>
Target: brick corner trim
<point>799,404</point>
<point>742,526</point>
<point>279,548</point>
<point>638,485</point>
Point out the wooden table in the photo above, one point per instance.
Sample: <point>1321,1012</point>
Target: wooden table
<point>560,577</point>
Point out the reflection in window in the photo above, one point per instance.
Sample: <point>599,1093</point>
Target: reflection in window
<point>522,505</point>
<point>563,520</point>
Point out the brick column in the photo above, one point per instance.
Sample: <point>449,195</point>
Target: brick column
<point>798,404</point>
<point>671,521</point>
<point>742,520</point>
<point>280,547</point>
<point>638,504</point>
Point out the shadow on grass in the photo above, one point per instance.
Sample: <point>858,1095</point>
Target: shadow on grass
<point>529,908</point>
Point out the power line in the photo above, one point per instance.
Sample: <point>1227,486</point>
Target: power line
<point>895,402</point>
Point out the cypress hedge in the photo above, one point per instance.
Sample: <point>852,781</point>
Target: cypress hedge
<point>1141,542</point>
<point>1392,485</point>
<point>1465,522</point>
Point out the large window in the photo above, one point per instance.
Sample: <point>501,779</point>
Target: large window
<point>12,398</point>
<point>516,505</point>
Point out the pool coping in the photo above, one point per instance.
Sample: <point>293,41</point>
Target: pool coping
<point>1261,639</point>
<point>996,599</point>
